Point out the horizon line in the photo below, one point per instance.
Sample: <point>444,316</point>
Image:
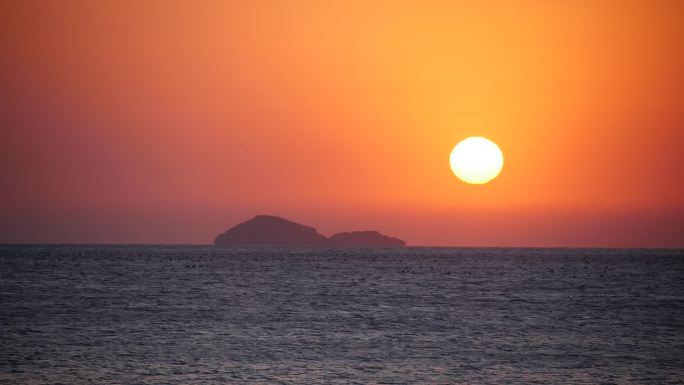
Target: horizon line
<point>63,244</point>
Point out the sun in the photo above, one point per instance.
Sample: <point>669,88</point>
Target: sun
<point>476,160</point>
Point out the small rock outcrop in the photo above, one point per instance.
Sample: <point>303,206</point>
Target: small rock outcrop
<point>272,230</point>
<point>364,238</point>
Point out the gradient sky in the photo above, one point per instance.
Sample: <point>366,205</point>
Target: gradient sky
<point>168,122</point>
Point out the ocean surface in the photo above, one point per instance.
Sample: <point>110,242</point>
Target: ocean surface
<point>192,315</point>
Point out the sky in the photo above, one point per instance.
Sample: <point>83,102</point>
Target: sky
<point>169,122</point>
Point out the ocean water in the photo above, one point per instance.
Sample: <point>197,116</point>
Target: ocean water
<point>183,315</point>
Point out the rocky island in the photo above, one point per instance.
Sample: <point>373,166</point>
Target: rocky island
<point>364,238</point>
<point>272,230</point>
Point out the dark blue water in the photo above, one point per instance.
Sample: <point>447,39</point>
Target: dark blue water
<point>180,315</point>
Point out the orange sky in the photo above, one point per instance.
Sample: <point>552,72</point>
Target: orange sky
<point>168,122</point>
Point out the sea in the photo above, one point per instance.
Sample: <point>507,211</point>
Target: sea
<point>269,315</point>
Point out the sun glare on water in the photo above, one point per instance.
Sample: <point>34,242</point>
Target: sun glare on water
<point>476,160</point>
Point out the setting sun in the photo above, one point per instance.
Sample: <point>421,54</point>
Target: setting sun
<point>476,160</point>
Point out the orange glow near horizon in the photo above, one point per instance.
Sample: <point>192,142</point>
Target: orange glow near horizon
<point>171,121</point>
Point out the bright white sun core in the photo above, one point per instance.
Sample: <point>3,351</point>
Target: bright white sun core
<point>476,160</point>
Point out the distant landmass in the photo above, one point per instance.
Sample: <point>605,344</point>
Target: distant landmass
<point>272,230</point>
<point>361,238</point>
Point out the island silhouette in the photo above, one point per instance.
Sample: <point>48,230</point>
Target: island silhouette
<point>273,230</point>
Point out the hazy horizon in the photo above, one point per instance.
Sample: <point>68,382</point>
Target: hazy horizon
<point>598,236</point>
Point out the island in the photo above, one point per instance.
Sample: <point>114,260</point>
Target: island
<point>364,238</point>
<point>270,230</point>
<point>273,230</point>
